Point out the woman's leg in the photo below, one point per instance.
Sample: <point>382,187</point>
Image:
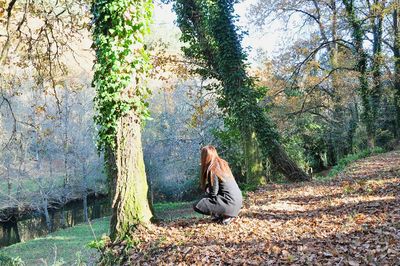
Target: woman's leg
<point>201,208</point>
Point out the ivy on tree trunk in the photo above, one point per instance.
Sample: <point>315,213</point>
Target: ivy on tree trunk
<point>121,68</point>
<point>208,28</point>
<point>358,33</point>
<point>396,54</point>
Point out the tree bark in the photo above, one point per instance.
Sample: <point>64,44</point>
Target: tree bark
<point>358,34</point>
<point>46,213</point>
<point>396,53</point>
<point>252,159</point>
<point>209,27</point>
<point>130,190</point>
<point>85,208</point>
<point>376,92</point>
<point>63,221</point>
<point>121,69</point>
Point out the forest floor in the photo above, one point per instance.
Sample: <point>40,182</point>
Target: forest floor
<point>353,219</point>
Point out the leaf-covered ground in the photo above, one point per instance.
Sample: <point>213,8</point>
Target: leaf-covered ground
<point>351,220</point>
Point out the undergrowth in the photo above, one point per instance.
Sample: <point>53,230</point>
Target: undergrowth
<point>348,159</point>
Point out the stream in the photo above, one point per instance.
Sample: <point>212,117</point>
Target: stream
<point>35,226</point>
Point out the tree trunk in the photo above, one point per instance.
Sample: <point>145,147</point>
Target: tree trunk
<point>287,166</point>
<point>252,159</point>
<point>396,53</point>
<point>46,213</point>
<point>122,65</point>
<point>352,127</point>
<point>85,208</point>
<point>63,222</point>
<point>16,231</point>
<point>96,209</point>
<point>376,92</point>
<point>9,184</point>
<point>209,28</point>
<point>358,35</point>
<point>7,232</point>
<point>84,190</point>
<point>130,191</point>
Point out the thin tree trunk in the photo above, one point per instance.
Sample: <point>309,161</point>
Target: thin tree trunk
<point>16,230</point>
<point>9,184</point>
<point>358,34</point>
<point>46,213</point>
<point>396,53</point>
<point>62,218</point>
<point>96,209</point>
<point>376,92</point>
<point>85,191</point>
<point>85,208</point>
<point>352,127</point>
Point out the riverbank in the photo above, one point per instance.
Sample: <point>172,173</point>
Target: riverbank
<point>63,247</point>
<point>36,226</point>
<point>69,246</point>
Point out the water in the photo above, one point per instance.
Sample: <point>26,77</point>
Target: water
<point>16,231</point>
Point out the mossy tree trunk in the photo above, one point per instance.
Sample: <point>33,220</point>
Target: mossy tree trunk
<point>122,66</point>
<point>254,167</point>
<point>130,203</point>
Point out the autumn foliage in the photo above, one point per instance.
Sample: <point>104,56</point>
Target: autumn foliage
<point>351,220</point>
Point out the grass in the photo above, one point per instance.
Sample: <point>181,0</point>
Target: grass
<point>171,206</point>
<point>169,211</point>
<point>70,246</point>
<point>64,247</point>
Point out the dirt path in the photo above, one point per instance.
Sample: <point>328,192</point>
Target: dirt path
<point>352,220</point>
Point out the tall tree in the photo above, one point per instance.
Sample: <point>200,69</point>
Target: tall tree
<point>120,73</point>
<point>396,54</point>
<point>318,71</point>
<point>377,8</point>
<point>208,27</point>
<point>358,35</point>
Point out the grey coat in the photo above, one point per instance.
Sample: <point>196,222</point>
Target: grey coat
<point>223,198</point>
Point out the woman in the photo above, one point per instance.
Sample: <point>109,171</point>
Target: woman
<point>224,198</point>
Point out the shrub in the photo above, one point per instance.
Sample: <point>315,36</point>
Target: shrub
<point>9,261</point>
<point>384,138</point>
<point>351,158</point>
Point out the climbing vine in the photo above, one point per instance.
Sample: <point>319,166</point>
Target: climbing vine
<point>208,26</point>
<point>214,43</point>
<point>122,63</point>
<point>358,33</point>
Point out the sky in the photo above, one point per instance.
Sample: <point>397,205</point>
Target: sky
<point>269,39</point>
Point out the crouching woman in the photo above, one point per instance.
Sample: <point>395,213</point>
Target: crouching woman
<point>224,198</point>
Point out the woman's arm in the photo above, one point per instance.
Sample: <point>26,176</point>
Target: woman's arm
<point>215,187</point>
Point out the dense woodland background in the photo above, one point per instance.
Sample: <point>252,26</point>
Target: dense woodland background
<point>332,90</point>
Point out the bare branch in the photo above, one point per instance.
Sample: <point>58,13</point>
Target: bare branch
<point>14,131</point>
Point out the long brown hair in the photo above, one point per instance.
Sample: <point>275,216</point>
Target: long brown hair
<point>211,164</point>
